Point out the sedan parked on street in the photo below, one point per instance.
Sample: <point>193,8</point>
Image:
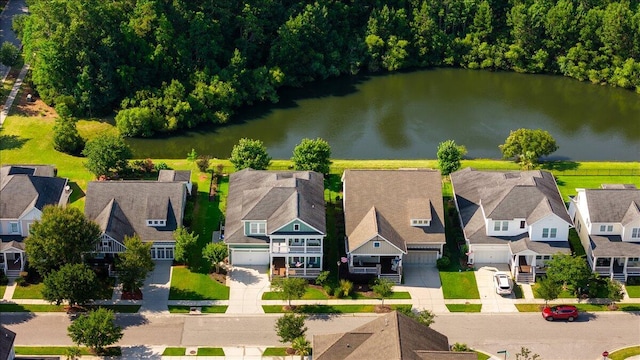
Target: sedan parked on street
<point>560,312</point>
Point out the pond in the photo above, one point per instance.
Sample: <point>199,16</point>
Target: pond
<point>406,115</point>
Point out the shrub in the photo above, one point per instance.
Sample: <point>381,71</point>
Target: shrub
<point>322,278</point>
<point>66,137</point>
<point>203,163</point>
<point>9,54</point>
<point>3,278</point>
<point>20,281</point>
<point>161,166</point>
<point>443,263</point>
<point>460,347</point>
<point>346,287</point>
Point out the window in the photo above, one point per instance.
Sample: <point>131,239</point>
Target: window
<point>505,225</point>
<point>603,228</point>
<point>546,257</point>
<point>376,244</point>
<point>496,226</point>
<point>538,257</point>
<point>258,228</point>
<point>105,243</point>
<point>522,224</point>
<point>635,233</point>
<point>606,228</point>
<point>545,233</point>
<point>501,226</point>
<point>13,227</point>
<point>296,227</point>
<point>549,233</point>
<point>155,222</point>
<point>554,231</point>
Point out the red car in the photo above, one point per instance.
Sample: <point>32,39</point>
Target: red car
<point>564,312</point>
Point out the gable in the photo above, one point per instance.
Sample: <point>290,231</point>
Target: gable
<point>296,226</point>
<point>385,247</point>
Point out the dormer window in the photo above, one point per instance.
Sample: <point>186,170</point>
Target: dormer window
<point>420,222</point>
<point>156,223</point>
<point>258,228</point>
<point>606,228</point>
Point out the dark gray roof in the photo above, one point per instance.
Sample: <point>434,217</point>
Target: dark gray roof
<point>278,197</point>
<point>22,188</point>
<point>393,336</point>
<point>384,202</point>
<point>121,208</point>
<point>613,246</point>
<point>540,247</point>
<point>174,175</point>
<point>613,205</point>
<point>531,195</point>
<point>7,338</point>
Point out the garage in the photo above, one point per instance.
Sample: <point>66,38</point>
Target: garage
<point>250,257</point>
<point>491,255</point>
<point>420,257</point>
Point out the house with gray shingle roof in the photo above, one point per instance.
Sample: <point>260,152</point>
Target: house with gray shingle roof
<point>392,217</point>
<point>514,217</point>
<point>151,209</point>
<point>7,337</point>
<point>24,191</point>
<point>393,336</point>
<point>276,218</point>
<point>608,223</point>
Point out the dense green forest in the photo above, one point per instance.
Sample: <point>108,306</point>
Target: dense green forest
<point>172,64</point>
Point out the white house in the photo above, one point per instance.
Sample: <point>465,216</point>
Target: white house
<point>392,218</point>
<point>608,222</point>
<point>24,191</point>
<point>516,218</point>
<point>276,219</point>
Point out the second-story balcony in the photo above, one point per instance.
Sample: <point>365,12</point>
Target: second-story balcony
<point>283,248</point>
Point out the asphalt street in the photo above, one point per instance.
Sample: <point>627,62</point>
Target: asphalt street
<point>585,338</point>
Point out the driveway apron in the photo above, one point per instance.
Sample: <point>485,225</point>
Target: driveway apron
<point>423,283</point>
<point>246,285</point>
<point>491,301</point>
<point>156,288</point>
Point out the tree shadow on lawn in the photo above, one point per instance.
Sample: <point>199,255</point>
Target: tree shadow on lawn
<point>560,165</point>
<point>11,142</point>
<point>184,294</point>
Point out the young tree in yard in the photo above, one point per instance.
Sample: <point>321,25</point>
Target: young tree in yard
<point>203,163</point>
<point>549,289</point>
<point>66,137</point>
<point>290,326</point>
<point>614,291</point>
<point>186,244</point>
<point>106,155</point>
<point>383,288</point>
<point>96,330</point>
<point>449,156</point>
<point>314,155</point>
<point>134,263</point>
<point>569,270</point>
<point>526,146</point>
<point>249,153</point>
<point>74,283</point>
<point>215,253</point>
<point>192,155</point>
<point>301,346</point>
<point>9,54</point>
<point>291,288</point>
<point>60,237</point>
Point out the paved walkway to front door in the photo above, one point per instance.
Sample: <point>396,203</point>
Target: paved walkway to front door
<point>246,285</point>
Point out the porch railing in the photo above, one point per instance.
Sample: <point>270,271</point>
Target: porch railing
<point>286,249</point>
<point>633,270</point>
<point>304,272</point>
<point>603,269</point>
<point>364,269</point>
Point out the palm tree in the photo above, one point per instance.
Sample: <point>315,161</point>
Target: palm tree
<point>301,347</point>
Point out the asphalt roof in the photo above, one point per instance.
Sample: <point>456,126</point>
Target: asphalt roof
<point>22,188</point>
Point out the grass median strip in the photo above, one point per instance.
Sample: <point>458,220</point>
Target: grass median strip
<point>213,309</point>
<point>330,309</point>
<point>48,350</point>
<point>581,307</point>
<point>275,351</point>
<point>210,351</point>
<point>11,307</point>
<point>318,294</point>
<point>174,351</point>
<point>464,307</point>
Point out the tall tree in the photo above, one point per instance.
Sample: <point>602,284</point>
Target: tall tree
<point>66,137</point>
<point>569,270</point>
<point>314,155</point>
<point>96,330</point>
<point>134,263</point>
<point>526,146</point>
<point>73,283</point>
<point>449,156</point>
<point>249,153</point>
<point>186,245</point>
<point>548,289</point>
<point>106,155</point>
<point>61,237</point>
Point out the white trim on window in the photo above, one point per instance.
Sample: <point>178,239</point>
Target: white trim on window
<point>296,227</point>
<point>376,244</point>
<point>14,227</point>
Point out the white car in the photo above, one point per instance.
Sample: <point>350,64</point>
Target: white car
<point>502,283</point>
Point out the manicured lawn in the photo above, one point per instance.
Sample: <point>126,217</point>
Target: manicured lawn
<point>625,353</point>
<point>275,351</point>
<point>398,295</point>
<point>319,294</point>
<point>11,307</point>
<point>47,350</point>
<point>459,285</point>
<point>483,356</point>
<point>567,184</point>
<point>174,351</point>
<point>331,309</point>
<point>207,214</point>
<point>31,291</point>
<point>633,291</point>
<point>186,285</point>
<point>210,351</point>
<point>581,307</point>
<point>464,307</point>
<point>2,289</point>
<point>216,309</point>
<point>576,245</point>
<point>565,294</point>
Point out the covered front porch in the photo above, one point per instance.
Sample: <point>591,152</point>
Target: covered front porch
<point>305,266</point>
<point>616,267</point>
<point>528,259</point>
<point>389,266</point>
<point>12,258</point>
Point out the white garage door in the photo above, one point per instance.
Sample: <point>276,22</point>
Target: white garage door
<point>250,257</point>
<point>420,257</point>
<point>491,256</point>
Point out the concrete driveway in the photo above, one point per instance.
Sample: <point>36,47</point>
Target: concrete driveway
<point>246,285</point>
<point>491,301</point>
<point>423,283</point>
<point>156,287</point>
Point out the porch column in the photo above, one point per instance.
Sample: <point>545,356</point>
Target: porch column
<point>611,266</point>
<point>305,246</point>
<point>21,261</point>
<point>4,263</point>
<point>624,269</point>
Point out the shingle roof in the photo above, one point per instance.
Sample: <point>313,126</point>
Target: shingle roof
<point>7,337</point>
<point>22,188</point>
<point>121,208</point>
<point>613,205</point>
<point>613,246</point>
<point>396,196</point>
<point>278,197</point>
<point>531,195</point>
<point>540,247</point>
<point>393,336</point>
<point>174,175</point>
